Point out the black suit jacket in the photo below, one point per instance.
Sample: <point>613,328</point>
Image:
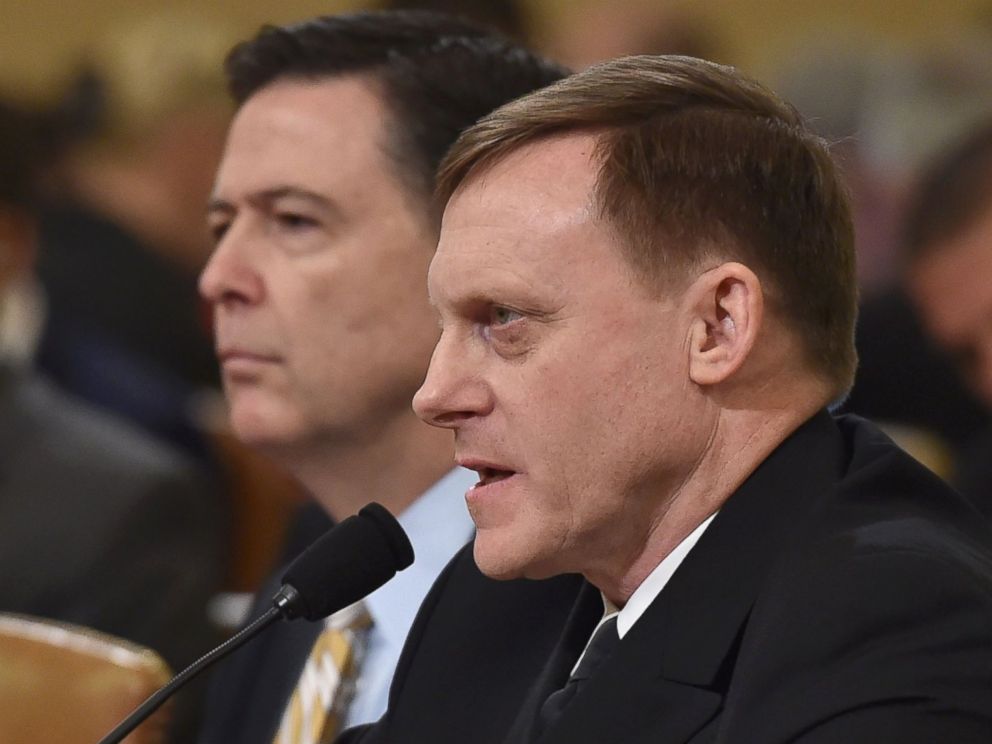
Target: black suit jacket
<point>102,526</point>
<point>842,594</point>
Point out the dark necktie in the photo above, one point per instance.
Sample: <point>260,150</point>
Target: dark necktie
<point>602,645</point>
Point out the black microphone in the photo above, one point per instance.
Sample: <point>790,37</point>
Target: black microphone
<point>349,562</point>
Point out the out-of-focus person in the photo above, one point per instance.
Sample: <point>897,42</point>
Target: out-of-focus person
<point>890,109</point>
<point>139,135</point>
<point>324,222</point>
<point>100,524</point>
<point>589,31</point>
<point>948,244</point>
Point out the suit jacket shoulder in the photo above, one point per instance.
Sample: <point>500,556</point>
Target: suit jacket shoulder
<point>842,594</point>
<point>876,624</point>
<point>103,526</point>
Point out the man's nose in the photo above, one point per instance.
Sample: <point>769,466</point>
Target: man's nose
<point>454,390</point>
<point>231,274</point>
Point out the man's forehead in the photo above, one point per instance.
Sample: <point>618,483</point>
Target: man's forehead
<point>312,135</point>
<point>544,186</point>
<point>322,97</point>
<point>342,113</point>
<point>560,166</point>
<point>523,220</point>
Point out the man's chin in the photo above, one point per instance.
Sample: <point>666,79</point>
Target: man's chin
<point>261,436</point>
<point>506,562</point>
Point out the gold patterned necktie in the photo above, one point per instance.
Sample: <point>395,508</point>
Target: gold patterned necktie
<point>320,701</point>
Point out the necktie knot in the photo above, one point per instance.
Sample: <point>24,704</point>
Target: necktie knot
<point>601,646</point>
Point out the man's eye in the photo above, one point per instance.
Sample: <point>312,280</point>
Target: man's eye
<point>218,230</point>
<point>295,221</point>
<point>502,315</point>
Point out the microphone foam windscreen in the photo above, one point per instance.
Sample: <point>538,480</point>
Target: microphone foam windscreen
<point>349,562</point>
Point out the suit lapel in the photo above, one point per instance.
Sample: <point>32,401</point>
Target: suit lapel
<point>586,612</point>
<point>671,671</point>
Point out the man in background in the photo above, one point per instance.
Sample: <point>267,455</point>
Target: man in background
<point>324,223</point>
<point>948,244</point>
<point>100,525</point>
<point>137,138</point>
<point>645,280</point>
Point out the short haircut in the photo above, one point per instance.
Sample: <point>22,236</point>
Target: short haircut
<point>698,162</point>
<point>437,74</point>
<point>953,193</point>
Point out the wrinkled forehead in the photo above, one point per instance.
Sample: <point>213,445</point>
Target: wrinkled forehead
<point>541,186</point>
<point>332,128</point>
<point>553,171</point>
<point>541,203</point>
<point>529,220</point>
<point>544,187</point>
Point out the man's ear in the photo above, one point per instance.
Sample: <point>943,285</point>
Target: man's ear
<point>728,305</point>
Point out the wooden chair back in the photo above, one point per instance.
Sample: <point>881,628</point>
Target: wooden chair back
<point>72,685</point>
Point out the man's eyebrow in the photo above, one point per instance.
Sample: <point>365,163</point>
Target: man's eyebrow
<point>267,197</point>
<point>216,204</point>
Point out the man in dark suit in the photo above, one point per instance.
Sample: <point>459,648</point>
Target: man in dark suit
<point>100,524</point>
<point>324,225</point>
<point>645,282</point>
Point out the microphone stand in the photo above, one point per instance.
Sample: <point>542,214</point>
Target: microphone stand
<point>154,702</point>
<point>362,553</point>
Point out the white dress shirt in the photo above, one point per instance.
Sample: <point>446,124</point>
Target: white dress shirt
<point>650,588</point>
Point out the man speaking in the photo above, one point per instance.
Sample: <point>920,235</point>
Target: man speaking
<point>646,287</point>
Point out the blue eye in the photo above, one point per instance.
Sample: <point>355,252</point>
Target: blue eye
<point>502,315</point>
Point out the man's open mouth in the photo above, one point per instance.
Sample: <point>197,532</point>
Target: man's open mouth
<point>492,475</point>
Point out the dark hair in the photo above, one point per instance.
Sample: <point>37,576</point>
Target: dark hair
<point>954,191</point>
<point>437,74</point>
<point>699,162</point>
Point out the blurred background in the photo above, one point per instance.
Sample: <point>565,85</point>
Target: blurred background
<point>125,117</point>
<point>892,79</point>
<point>130,113</point>
<point>112,122</point>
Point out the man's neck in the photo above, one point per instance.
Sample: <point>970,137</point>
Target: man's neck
<point>394,468</point>
<point>735,451</point>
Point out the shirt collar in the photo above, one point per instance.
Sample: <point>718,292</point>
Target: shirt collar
<point>438,525</point>
<point>651,587</point>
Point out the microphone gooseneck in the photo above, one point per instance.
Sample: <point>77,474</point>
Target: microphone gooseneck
<point>347,563</point>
